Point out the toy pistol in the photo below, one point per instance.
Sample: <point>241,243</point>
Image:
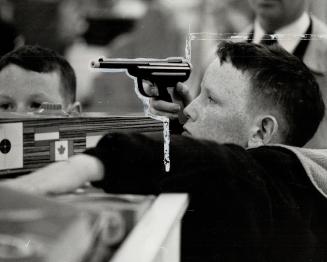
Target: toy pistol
<point>163,73</point>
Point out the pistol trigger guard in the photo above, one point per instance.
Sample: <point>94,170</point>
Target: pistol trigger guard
<point>141,88</point>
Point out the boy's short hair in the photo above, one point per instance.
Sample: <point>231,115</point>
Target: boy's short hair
<point>44,60</point>
<point>280,81</point>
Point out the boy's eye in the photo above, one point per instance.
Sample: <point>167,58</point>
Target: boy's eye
<point>35,105</point>
<point>211,100</point>
<point>6,106</point>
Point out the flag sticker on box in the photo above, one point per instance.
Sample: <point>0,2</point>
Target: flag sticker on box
<point>46,133</point>
<point>61,150</point>
<point>92,139</point>
<point>11,146</point>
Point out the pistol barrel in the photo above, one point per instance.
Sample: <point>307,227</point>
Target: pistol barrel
<point>162,72</point>
<point>118,63</point>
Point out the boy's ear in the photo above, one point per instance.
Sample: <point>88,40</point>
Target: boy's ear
<point>75,108</point>
<point>263,131</point>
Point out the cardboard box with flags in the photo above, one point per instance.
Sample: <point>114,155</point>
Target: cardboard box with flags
<point>29,141</point>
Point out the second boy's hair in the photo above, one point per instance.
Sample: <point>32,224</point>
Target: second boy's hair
<point>44,60</point>
<point>279,80</point>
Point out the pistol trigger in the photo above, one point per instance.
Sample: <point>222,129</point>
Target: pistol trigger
<point>163,93</point>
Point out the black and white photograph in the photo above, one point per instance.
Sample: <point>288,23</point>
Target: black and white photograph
<point>163,131</point>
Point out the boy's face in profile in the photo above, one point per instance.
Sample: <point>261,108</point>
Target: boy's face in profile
<point>23,90</point>
<point>220,112</point>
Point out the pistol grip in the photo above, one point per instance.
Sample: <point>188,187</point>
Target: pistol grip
<point>163,93</point>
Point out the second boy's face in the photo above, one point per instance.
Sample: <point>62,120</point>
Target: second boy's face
<point>220,112</point>
<point>23,90</point>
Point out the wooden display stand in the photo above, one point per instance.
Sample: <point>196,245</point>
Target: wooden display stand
<point>39,229</point>
<point>156,237</point>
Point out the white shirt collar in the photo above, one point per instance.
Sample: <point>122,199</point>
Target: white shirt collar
<point>293,30</point>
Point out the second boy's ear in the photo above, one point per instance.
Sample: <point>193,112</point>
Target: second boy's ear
<point>264,131</point>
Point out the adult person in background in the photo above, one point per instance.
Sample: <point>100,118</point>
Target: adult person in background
<point>292,20</point>
<point>53,24</point>
<point>31,75</point>
<point>58,25</point>
<point>9,37</point>
<point>259,204</point>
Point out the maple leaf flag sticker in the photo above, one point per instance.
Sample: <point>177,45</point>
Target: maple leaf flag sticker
<point>61,150</point>
<point>11,146</point>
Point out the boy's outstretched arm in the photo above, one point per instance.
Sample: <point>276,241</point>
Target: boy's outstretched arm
<point>60,177</point>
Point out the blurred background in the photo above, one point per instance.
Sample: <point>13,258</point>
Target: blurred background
<point>84,30</point>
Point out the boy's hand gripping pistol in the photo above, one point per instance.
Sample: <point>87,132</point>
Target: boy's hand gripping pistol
<point>163,73</point>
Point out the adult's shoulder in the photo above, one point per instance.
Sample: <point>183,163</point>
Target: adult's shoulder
<point>316,55</point>
<point>319,26</point>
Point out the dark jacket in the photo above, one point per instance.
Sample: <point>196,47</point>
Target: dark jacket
<point>245,205</point>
